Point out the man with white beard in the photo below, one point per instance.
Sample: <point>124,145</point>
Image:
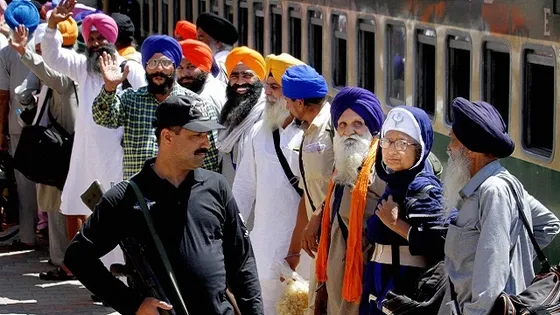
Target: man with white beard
<point>97,153</point>
<point>266,179</point>
<point>351,200</point>
<point>487,249</point>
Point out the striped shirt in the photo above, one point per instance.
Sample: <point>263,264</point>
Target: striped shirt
<point>135,111</point>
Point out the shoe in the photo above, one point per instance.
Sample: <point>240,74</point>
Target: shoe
<point>56,275</point>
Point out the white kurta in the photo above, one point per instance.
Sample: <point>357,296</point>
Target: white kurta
<point>215,91</point>
<point>220,58</point>
<point>97,153</point>
<point>261,181</point>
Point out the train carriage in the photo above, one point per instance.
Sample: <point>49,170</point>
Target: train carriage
<point>421,53</point>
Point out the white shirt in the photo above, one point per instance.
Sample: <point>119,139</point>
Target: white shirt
<point>220,58</point>
<point>261,181</point>
<point>214,91</point>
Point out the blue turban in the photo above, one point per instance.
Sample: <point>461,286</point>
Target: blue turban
<point>302,82</point>
<point>480,128</point>
<point>82,15</point>
<point>363,102</point>
<point>22,12</point>
<point>163,44</point>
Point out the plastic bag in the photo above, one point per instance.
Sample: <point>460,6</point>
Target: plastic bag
<point>294,297</point>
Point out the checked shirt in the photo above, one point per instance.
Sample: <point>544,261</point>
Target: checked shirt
<point>135,111</point>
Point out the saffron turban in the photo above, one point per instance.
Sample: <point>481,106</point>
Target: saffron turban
<point>102,23</point>
<point>361,101</point>
<point>251,58</point>
<point>125,26</point>
<point>185,30</point>
<point>303,82</point>
<point>277,65</point>
<point>217,27</point>
<point>22,12</point>
<point>197,53</point>
<point>69,30</point>
<point>480,128</point>
<point>162,44</point>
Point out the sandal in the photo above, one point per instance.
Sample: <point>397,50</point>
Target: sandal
<point>56,275</point>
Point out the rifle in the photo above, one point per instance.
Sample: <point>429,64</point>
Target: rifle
<point>138,272</point>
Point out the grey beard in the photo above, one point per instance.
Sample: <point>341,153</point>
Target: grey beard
<point>93,67</point>
<point>275,114</point>
<point>455,177</point>
<point>349,156</point>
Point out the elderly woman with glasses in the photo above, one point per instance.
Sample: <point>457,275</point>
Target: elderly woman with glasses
<point>407,228</point>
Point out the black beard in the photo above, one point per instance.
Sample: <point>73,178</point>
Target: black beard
<point>197,83</point>
<point>93,66</point>
<point>163,88</point>
<point>238,107</point>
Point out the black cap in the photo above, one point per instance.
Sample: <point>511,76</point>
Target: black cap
<point>217,27</point>
<point>124,25</point>
<point>181,111</point>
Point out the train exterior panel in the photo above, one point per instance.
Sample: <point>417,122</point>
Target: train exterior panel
<point>419,53</point>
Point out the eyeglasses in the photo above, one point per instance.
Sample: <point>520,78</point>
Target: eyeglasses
<point>154,63</point>
<point>400,145</point>
<point>247,75</point>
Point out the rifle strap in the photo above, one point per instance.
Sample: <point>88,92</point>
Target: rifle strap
<point>158,243</point>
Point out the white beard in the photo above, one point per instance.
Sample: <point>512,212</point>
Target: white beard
<point>349,156</point>
<point>455,177</point>
<point>275,113</point>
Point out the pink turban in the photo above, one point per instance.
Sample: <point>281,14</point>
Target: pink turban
<point>102,23</point>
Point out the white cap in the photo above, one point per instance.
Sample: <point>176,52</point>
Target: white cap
<point>400,119</point>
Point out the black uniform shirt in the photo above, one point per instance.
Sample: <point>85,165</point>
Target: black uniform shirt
<point>203,234</point>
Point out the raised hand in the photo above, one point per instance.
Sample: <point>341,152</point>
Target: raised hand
<point>61,12</point>
<point>111,71</point>
<point>19,40</point>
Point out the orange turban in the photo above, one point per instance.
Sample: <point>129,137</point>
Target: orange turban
<point>69,30</point>
<point>185,30</point>
<point>251,58</point>
<point>197,53</point>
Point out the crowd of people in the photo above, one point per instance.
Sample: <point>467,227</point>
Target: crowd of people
<point>245,165</point>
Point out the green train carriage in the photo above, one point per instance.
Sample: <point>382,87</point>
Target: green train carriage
<point>422,53</point>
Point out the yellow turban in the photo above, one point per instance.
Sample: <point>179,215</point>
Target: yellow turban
<point>278,64</point>
<point>251,58</point>
<point>69,30</point>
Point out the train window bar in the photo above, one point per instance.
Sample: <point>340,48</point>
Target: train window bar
<point>243,23</point>
<point>425,71</point>
<point>366,54</point>
<point>259,27</point>
<point>315,43</point>
<point>339,50</point>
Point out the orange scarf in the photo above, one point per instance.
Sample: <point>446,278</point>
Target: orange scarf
<point>127,51</point>
<point>352,283</point>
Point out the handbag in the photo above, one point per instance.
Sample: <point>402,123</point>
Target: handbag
<point>43,153</point>
<point>542,296</point>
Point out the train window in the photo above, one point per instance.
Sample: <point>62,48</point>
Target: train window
<point>228,10</point>
<point>458,70</point>
<point>201,6</point>
<point>538,101</point>
<point>396,42</point>
<point>426,70</point>
<point>366,54</point>
<point>315,57</point>
<point>164,15</point>
<point>188,10</point>
<point>339,53</point>
<point>259,27</point>
<point>176,12</point>
<point>214,7</point>
<point>556,7</point>
<point>155,16</point>
<point>495,77</point>
<point>276,28</point>
<point>243,23</point>
<point>295,32</point>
